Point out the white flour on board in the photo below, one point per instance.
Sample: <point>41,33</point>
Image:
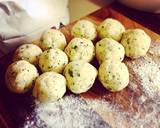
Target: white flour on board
<point>68,112</point>
<point>75,112</point>
<point>149,74</point>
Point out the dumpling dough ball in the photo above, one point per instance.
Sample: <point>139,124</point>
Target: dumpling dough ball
<point>80,49</point>
<point>113,75</point>
<point>136,43</point>
<point>50,86</point>
<point>111,28</point>
<point>53,39</point>
<point>28,52</point>
<point>53,60</point>
<point>109,49</point>
<point>84,29</point>
<point>20,76</point>
<point>80,76</point>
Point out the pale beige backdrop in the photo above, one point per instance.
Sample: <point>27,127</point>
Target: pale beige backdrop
<point>80,8</point>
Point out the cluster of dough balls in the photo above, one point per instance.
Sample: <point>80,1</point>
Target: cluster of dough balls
<point>79,73</point>
<point>49,86</point>
<point>53,60</point>
<point>53,38</point>
<point>80,49</point>
<point>28,52</point>
<point>113,75</point>
<point>80,76</point>
<point>136,43</point>
<point>84,29</point>
<point>109,49</point>
<point>20,76</point>
<point>111,28</point>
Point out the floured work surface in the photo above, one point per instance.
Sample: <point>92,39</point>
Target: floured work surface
<point>137,106</point>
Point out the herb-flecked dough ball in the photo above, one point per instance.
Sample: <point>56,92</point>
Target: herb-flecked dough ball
<point>28,52</point>
<point>80,76</point>
<point>113,75</point>
<point>49,86</point>
<point>53,38</point>
<point>136,43</point>
<point>111,28</point>
<point>53,60</point>
<point>80,49</point>
<point>84,29</point>
<point>109,49</point>
<point>20,76</point>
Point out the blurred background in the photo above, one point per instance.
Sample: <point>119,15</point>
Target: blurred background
<point>80,8</point>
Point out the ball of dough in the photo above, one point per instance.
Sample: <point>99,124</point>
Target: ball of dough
<point>80,76</point>
<point>20,76</point>
<point>80,49</point>
<point>53,60</point>
<point>109,49</point>
<point>111,28</point>
<point>136,43</point>
<point>53,39</point>
<point>50,86</point>
<point>84,29</point>
<point>28,52</point>
<point>113,75</point>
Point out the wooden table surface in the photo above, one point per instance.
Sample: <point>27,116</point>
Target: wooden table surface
<point>14,107</point>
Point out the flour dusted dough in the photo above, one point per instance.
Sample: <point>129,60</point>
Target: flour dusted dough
<point>109,49</point>
<point>84,29</point>
<point>111,28</point>
<point>53,60</point>
<point>28,52</point>
<point>136,43</point>
<point>80,49</point>
<point>53,38</point>
<point>113,75</point>
<point>50,86</point>
<point>80,76</point>
<point>20,76</point>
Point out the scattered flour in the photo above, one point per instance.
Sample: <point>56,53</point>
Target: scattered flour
<point>155,49</point>
<point>68,112</point>
<point>149,73</point>
<point>75,112</point>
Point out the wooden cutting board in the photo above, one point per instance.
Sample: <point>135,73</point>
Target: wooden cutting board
<point>14,108</point>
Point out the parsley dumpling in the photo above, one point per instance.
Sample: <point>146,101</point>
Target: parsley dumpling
<point>111,28</point>
<point>113,75</point>
<point>28,52</point>
<point>80,76</point>
<point>53,38</point>
<point>109,49</point>
<point>136,43</point>
<point>20,76</point>
<point>53,60</point>
<point>49,86</point>
<point>84,29</point>
<point>80,49</point>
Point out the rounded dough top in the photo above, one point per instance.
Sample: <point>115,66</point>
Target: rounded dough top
<point>109,49</point>
<point>80,49</point>
<point>113,75</point>
<point>80,76</point>
<point>111,28</point>
<point>28,52</point>
<point>53,60</point>
<point>50,86</point>
<point>20,76</point>
<point>136,43</point>
<point>84,29</point>
<point>53,38</point>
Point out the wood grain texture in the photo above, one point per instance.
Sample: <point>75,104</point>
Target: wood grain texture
<point>14,108</point>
